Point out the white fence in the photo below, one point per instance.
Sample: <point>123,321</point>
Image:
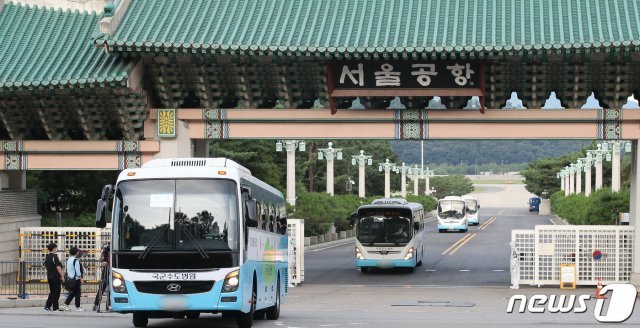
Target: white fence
<point>33,243</point>
<point>295,229</point>
<point>599,252</point>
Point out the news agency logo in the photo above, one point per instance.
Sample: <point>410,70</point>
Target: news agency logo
<point>620,305</point>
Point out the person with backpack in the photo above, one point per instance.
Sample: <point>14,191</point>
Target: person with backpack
<point>74,279</point>
<point>55,277</point>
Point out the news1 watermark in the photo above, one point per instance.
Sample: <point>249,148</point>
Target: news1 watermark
<point>620,298</point>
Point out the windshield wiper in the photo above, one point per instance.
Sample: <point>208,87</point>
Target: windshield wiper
<point>153,241</point>
<point>193,240</point>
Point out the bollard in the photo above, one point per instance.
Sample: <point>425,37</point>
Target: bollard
<point>22,280</point>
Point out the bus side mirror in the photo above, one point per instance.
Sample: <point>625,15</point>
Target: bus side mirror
<point>101,213</point>
<point>478,206</point>
<point>416,225</point>
<point>251,207</point>
<point>102,205</point>
<point>352,218</point>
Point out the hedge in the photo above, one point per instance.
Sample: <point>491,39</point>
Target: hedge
<point>602,207</point>
<point>320,210</point>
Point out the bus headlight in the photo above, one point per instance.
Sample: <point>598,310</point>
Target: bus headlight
<point>231,282</point>
<point>359,254</point>
<point>409,255</point>
<point>117,281</point>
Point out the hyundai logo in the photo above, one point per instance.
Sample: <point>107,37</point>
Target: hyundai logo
<point>174,288</point>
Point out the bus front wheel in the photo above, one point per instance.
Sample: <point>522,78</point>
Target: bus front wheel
<point>273,312</point>
<point>245,320</point>
<point>140,320</point>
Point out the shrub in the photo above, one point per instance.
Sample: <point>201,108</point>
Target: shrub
<point>600,208</point>
<point>320,210</point>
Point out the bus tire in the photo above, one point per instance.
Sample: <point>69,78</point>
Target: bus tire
<point>410,269</point>
<point>419,264</point>
<point>441,230</point>
<point>273,312</point>
<point>463,230</point>
<point>193,315</point>
<point>364,269</point>
<point>258,315</point>
<point>140,320</point>
<point>245,320</point>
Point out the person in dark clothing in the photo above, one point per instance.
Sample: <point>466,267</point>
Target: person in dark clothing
<point>55,277</point>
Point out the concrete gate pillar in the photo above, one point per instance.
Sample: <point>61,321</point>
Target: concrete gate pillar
<point>15,180</point>
<point>634,215</point>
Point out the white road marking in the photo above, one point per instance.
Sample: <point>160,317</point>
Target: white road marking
<point>328,247</point>
<point>552,222</point>
<point>430,270</point>
<point>464,270</point>
<point>498,270</point>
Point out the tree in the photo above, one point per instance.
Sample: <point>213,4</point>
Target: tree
<point>451,185</point>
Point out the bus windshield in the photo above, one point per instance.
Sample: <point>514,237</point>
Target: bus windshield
<point>380,229</point>
<point>472,206</point>
<point>177,215</point>
<point>451,209</point>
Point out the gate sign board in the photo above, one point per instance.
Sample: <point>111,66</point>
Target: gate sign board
<point>405,78</point>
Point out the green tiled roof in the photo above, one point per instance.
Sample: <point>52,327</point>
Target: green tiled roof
<point>47,48</point>
<point>328,27</point>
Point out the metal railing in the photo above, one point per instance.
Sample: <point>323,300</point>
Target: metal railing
<point>25,278</point>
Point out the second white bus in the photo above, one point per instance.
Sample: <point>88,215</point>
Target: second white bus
<point>452,214</point>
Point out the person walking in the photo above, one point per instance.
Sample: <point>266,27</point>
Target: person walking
<point>75,275</point>
<point>55,277</point>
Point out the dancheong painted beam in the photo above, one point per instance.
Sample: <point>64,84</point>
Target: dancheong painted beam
<point>75,155</point>
<point>406,124</point>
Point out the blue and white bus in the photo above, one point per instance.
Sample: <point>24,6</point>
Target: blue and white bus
<point>192,236</point>
<point>389,233</point>
<point>473,210</point>
<point>452,214</point>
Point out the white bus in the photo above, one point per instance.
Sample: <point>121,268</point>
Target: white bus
<point>193,236</point>
<point>473,210</point>
<point>452,214</point>
<point>389,233</point>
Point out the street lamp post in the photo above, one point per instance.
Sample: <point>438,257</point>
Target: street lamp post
<point>427,174</point>
<point>361,160</point>
<point>387,167</point>
<point>587,162</point>
<point>579,167</point>
<point>572,179</point>
<point>415,176</point>
<point>615,167</point>
<point>59,204</point>
<point>290,146</point>
<point>403,170</point>
<point>330,153</point>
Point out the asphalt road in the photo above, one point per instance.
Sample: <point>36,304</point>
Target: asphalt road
<point>479,257</point>
<point>463,282</point>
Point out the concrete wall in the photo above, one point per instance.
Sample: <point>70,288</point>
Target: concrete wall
<point>18,208</point>
<point>82,5</point>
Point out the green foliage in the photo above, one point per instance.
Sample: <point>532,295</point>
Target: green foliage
<point>86,219</point>
<point>451,185</point>
<point>320,210</point>
<point>540,175</point>
<point>502,152</point>
<point>601,207</point>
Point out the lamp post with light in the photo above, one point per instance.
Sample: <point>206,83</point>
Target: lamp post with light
<point>403,170</point>
<point>330,153</point>
<point>386,167</point>
<point>290,146</point>
<point>361,160</point>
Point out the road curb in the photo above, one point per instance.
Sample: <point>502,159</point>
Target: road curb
<point>330,244</point>
<point>38,302</point>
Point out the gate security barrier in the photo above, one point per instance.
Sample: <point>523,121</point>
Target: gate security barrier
<point>33,243</point>
<point>599,252</point>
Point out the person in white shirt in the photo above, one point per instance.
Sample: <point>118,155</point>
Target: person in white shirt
<point>75,274</point>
